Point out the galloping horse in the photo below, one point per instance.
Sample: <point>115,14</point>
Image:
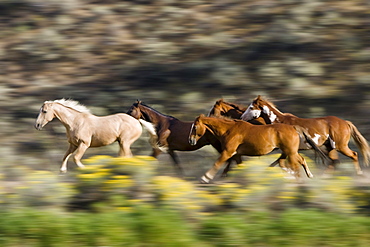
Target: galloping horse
<point>86,130</point>
<point>230,110</point>
<point>171,134</point>
<point>226,109</point>
<point>332,132</point>
<point>238,138</point>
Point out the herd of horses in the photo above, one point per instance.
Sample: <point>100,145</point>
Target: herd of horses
<point>233,130</point>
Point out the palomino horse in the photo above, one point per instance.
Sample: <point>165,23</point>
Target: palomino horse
<point>238,138</point>
<point>332,132</point>
<point>86,130</point>
<point>170,133</point>
<point>226,109</point>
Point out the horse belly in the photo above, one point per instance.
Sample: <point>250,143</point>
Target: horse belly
<point>255,150</point>
<point>102,140</point>
<point>319,139</point>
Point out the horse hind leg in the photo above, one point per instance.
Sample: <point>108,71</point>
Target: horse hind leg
<point>305,167</point>
<point>124,149</point>
<point>353,155</point>
<point>294,161</point>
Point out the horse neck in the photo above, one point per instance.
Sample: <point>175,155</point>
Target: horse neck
<point>237,108</point>
<point>216,126</point>
<point>152,116</point>
<point>66,115</point>
<point>272,114</point>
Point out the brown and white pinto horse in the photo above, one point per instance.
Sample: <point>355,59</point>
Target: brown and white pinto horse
<point>332,132</point>
<point>238,138</point>
<point>226,109</point>
<point>169,134</point>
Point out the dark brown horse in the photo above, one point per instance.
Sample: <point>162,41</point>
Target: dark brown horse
<point>169,133</point>
<point>332,132</point>
<point>238,138</point>
<point>226,109</point>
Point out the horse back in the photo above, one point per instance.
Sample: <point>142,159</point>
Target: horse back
<point>120,122</point>
<point>323,126</point>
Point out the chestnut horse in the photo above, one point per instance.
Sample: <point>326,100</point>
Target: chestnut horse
<point>86,130</point>
<point>238,138</point>
<point>231,110</point>
<point>170,133</point>
<point>226,109</point>
<point>332,132</point>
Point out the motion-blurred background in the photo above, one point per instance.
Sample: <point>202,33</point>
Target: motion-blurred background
<point>310,57</point>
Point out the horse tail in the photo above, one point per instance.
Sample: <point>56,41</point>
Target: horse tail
<point>323,157</point>
<point>360,141</point>
<point>153,140</point>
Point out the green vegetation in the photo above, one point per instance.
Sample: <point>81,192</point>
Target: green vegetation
<point>310,57</point>
<point>125,202</point>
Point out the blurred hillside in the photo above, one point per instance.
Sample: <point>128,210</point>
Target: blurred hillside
<point>311,57</point>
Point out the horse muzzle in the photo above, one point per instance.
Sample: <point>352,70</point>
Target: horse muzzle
<point>192,141</point>
<point>38,126</point>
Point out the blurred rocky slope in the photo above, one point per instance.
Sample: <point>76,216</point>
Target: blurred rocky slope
<point>312,57</point>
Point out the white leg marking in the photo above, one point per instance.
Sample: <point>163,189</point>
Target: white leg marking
<point>332,143</point>
<point>204,179</point>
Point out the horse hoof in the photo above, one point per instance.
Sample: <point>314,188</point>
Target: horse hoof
<point>204,180</point>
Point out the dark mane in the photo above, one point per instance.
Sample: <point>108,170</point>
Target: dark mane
<point>234,105</point>
<point>152,109</point>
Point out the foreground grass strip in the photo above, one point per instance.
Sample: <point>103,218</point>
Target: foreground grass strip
<point>148,226</point>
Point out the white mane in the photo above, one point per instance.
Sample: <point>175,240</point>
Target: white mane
<point>71,104</point>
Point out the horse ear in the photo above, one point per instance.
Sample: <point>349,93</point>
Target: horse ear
<point>138,101</point>
<point>259,97</point>
<point>202,115</point>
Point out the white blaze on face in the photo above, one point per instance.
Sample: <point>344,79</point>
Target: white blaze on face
<point>250,114</point>
<point>269,113</point>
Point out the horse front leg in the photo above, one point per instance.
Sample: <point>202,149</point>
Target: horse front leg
<point>277,162</point>
<point>211,173</point>
<point>237,158</point>
<point>71,149</point>
<point>81,149</point>
<point>305,167</point>
<point>176,163</point>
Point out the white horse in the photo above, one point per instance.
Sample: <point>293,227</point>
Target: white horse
<point>86,130</point>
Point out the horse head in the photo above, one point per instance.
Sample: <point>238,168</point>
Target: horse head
<point>253,111</point>
<point>135,111</point>
<point>46,114</point>
<point>198,129</point>
<point>226,109</point>
<point>260,108</point>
